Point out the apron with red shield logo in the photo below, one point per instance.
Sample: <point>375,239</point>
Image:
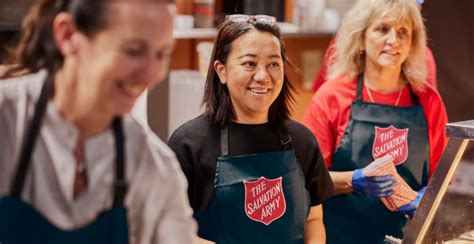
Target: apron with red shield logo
<point>21,223</point>
<point>373,131</point>
<point>258,198</point>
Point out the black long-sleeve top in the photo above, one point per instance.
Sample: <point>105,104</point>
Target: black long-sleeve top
<point>197,147</point>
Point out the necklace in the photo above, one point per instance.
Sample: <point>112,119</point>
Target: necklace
<point>79,156</point>
<point>80,177</point>
<point>372,98</point>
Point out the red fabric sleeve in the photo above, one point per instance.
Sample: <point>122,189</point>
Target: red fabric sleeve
<point>431,68</point>
<point>316,118</point>
<point>436,117</point>
<point>322,74</point>
<point>327,115</point>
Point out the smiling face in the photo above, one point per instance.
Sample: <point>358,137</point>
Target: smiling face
<point>131,53</point>
<point>387,43</point>
<point>253,74</point>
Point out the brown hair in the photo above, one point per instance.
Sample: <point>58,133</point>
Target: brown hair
<point>36,48</point>
<point>216,100</point>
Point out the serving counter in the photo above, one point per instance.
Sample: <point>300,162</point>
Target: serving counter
<point>446,211</point>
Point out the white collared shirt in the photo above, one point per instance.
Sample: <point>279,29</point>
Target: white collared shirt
<point>157,206</point>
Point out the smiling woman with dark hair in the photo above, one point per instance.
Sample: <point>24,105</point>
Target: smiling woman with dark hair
<point>75,166</point>
<point>254,175</point>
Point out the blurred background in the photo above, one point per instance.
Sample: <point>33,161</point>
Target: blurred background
<point>308,26</point>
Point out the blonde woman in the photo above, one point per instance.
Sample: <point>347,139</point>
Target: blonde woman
<point>376,102</point>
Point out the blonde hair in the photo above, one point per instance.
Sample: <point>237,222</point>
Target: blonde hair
<point>349,61</point>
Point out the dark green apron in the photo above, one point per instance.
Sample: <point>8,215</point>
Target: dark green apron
<point>259,198</point>
<point>21,223</point>
<point>373,131</point>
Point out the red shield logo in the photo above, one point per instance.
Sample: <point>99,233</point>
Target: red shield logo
<point>391,141</point>
<point>264,200</point>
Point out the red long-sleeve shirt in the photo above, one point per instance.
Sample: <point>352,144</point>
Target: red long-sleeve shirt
<point>328,113</point>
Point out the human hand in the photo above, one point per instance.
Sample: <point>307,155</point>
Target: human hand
<point>374,186</point>
<point>410,208</point>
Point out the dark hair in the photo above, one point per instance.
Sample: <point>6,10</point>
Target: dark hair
<point>37,48</point>
<point>216,100</point>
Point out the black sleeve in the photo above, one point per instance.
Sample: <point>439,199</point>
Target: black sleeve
<point>318,180</point>
<point>196,145</point>
<point>179,144</point>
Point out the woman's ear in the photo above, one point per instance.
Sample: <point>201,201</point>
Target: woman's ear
<point>221,71</point>
<point>361,44</point>
<point>64,32</point>
<point>361,40</point>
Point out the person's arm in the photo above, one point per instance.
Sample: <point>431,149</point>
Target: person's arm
<point>176,224</point>
<point>157,204</point>
<point>179,143</point>
<point>357,181</point>
<point>436,116</point>
<point>314,231</point>
<point>342,182</point>
<point>318,182</point>
<point>319,121</point>
<point>12,126</point>
<point>6,144</point>
<point>316,119</point>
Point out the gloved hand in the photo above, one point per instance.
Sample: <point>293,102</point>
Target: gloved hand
<point>375,186</point>
<point>410,208</point>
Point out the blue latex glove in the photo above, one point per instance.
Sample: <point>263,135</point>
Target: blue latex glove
<point>410,208</point>
<point>374,186</point>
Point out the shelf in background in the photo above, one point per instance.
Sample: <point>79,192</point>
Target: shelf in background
<point>9,26</point>
<point>288,30</point>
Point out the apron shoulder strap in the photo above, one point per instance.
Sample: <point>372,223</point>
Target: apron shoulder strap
<point>285,138</point>
<point>360,82</point>
<point>225,140</point>
<point>120,186</point>
<point>29,138</point>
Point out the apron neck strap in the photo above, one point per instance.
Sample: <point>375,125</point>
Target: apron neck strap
<point>285,139</point>
<point>360,83</point>
<point>414,97</point>
<point>29,140</point>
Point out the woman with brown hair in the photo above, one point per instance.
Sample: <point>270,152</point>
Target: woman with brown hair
<point>254,175</point>
<point>75,166</point>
